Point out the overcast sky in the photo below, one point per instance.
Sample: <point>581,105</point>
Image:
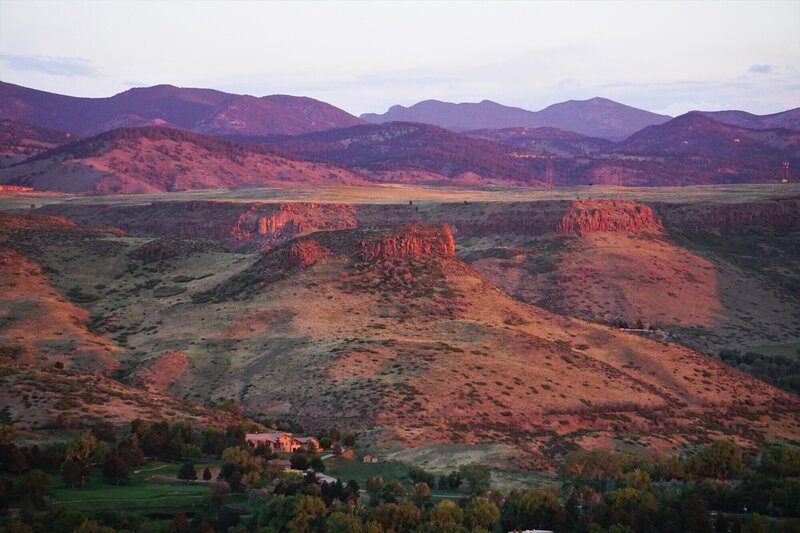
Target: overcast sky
<point>667,57</point>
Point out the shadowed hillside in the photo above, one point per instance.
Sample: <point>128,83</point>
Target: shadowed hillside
<point>394,151</point>
<point>18,141</point>
<point>159,159</point>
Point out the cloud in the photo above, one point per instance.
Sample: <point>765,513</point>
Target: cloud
<point>55,66</point>
<point>760,69</point>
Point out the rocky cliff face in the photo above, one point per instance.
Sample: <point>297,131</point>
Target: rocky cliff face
<point>783,213</point>
<point>242,227</point>
<point>412,241</point>
<point>301,255</point>
<point>591,216</point>
<point>270,224</point>
<point>546,218</point>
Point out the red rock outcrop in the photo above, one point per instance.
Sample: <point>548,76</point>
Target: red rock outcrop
<point>15,188</point>
<point>409,241</point>
<point>303,254</point>
<point>19,221</point>
<point>590,216</point>
<point>284,221</point>
<point>160,373</point>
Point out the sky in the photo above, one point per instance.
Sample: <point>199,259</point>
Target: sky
<point>364,56</point>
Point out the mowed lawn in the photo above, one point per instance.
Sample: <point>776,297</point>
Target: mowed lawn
<point>346,469</point>
<point>154,488</point>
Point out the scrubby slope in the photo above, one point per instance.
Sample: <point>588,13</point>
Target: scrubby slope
<point>37,325</point>
<point>711,275</point>
<point>159,159</point>
<point>52,398</point>
<point>19,141</point>
<point>389,331</point>
<point>387,150</point>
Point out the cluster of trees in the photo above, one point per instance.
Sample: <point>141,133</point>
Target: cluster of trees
<point>303,512</point>
<point>335,440</point>
<point>600,492</point>
<point>783,372</point>
<point>600,469</point>
<point>476,477</point>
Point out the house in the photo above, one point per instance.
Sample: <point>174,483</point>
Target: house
<point>282,442</point>
<point>311,443</point>
<point>371,459</point>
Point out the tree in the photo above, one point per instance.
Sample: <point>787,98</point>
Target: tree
<point>187,472</point>
<point>374,486</point>
<point>533,509</point>
<point>418,475</point>
<point>116,467</point>
<point>317,464</point>
<point>339,522</point>
<point>631,507</point>
<point>756,523</point>
<point>309,512</point>
<point>206,474</point>
<point>36,482</point>
<point>219,493</point>
<point>783,461</point>
<point>397,517</point>
<point>101,452</point>
<point>104,431</point>
<point>6,434</point>
<point>450,481</point>
<point>235,459</point>
<point>447,515</point>
<point>82,447</point>
<point>350,439</point>
<point>17,462</point>
<point>722,460</point>
<point>68,520</point>
<point>637,479</point>
<point>481,513</point>
<point>298,461</point>
<point>213,441</point>
<point>421,494</point>
<point>477,477</point>
<point>191,451</point>
<point>392,492</point>
<point>75,472</point>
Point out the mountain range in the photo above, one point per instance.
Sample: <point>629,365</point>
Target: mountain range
<point>199,110</point>
<point>164,138</point>
<point>596,117</point>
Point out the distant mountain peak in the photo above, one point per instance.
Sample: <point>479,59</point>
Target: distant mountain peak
<point>595,117</point>
<point>200,110</point>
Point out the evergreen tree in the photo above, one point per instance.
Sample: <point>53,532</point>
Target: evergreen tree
<point>187,472</point>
